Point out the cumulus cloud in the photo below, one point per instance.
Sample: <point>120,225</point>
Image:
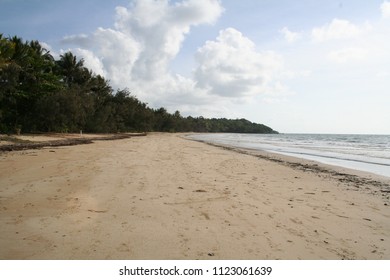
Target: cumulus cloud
<point>337,29</point>
<point>49,49</point>
<point>385,9</point>
<point>107,51</point>
<point>147,36</point>
<point>230,66</point>
<point>160,29</point>
<point>90,61</point>
<point>289,35</point>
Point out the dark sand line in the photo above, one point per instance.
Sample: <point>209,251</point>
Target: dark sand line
<point>64,142</point>
<point>359,182</point>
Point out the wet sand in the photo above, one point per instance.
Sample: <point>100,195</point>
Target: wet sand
<point>166,197</point>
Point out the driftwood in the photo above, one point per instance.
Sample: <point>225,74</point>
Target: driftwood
<point>64,142</point>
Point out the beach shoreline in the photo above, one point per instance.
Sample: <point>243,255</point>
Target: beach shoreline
<point>354,176</point>
<point>367,153</point>
<point>167,197</point>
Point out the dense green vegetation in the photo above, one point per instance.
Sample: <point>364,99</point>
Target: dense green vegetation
<point>41,94</point>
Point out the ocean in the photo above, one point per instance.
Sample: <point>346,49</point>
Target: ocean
<point>370,153</point>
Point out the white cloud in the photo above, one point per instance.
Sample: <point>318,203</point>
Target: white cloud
<point>107,51</point>
<point>147,37</point>
<point>289,35</point>
<point>348,55</point>
<point>149,34</point>
<point>385,9</point>
<point>90,61</point>
<point>81,39</point>
<point>49,49</point>
<point>383,74</point>
<point>195,12</point>
<point>160,29</point>
<point>277,94</point>
<point>230,66</point>
<point>337,29</point>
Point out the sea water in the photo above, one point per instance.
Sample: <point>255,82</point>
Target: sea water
<point>369,153</point>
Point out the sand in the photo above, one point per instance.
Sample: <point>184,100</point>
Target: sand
<point>166,197</point>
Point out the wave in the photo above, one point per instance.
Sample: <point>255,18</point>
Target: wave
<point>369,153</point>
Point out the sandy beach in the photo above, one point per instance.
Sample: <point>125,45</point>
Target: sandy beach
<point>166,197</point>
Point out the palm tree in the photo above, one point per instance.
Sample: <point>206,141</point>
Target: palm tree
<point>21,51</point>
<point>42,57</point>
<point>70,68</point>
<point>6,51</point>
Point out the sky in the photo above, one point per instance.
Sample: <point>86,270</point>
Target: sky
<point>305,66</point>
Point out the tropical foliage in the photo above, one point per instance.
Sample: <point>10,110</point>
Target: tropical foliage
<point>41,94</point>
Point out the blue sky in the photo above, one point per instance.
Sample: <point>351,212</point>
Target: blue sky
<point>305,66</point>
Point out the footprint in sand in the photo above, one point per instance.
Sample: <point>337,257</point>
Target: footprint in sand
<point>205,215</point>
<point>123,247</point>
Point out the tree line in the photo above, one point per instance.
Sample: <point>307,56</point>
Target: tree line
<point>41,94</point>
